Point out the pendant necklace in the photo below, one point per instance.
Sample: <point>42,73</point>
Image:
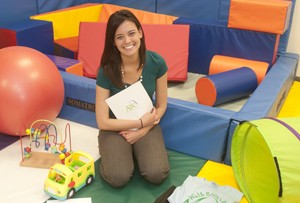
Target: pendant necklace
<point>123,75</point>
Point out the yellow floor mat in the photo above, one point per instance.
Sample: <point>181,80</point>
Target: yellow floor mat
<point>221,174</point>
<point>291,107</point>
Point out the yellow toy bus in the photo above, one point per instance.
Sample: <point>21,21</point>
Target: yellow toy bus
<point>64,180</point>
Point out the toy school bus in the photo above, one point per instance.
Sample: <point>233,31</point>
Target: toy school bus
<point>64,180</point>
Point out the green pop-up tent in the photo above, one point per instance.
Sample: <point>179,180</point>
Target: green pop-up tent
<point>265,158</point>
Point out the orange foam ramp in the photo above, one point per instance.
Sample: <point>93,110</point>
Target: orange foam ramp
<point>221,174</point>
<point>92,37</point>
<point>144,17</point>
<point>270,16</point>
<point>221,64</point>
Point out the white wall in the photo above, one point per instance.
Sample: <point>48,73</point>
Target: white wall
<point>294,39</point>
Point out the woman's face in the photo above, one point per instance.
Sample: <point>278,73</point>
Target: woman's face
<point>128,38</point>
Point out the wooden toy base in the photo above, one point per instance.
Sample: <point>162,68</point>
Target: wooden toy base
<point>40,160</point>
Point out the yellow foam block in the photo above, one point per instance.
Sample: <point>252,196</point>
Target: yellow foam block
<point>66,21</point>
<point>221,174</point>
<point>144,17</point>
<point>270,16</point>
<point>291,107</point>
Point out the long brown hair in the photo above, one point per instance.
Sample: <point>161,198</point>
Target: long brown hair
<point>111,58</point>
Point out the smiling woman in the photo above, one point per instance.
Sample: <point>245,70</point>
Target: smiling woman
<point>124,62</point>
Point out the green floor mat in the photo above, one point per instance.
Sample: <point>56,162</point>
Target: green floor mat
<point>138,190</point>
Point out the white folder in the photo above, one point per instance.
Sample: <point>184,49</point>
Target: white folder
<point>131,103</point>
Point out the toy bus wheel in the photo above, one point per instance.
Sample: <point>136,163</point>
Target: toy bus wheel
<point>89,180</point>
<point>71,193</point>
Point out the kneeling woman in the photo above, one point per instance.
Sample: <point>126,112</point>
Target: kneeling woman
<point>125,61</point>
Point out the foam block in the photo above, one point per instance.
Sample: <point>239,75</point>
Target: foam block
<point>35,34</point>
<point>66,47</point>
<point>260,15</point>
<point>175,54</point>
<point>66,21</point>
<point>79,101</point>
<point>208,40</point>
<point>272,91</point>
<point>223,87</point>
<point>145,17</point>
<point>195,129</point>
<point>207,10</point>
<point>68,65</point>
<point>91,45</point>
<point>221,64</point>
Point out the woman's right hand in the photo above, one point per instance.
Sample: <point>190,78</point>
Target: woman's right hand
<point>150,118</point>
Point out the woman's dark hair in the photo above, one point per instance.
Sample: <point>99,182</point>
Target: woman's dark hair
<point>111,58</point>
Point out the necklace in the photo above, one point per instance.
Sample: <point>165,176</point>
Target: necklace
<point>123,75</point>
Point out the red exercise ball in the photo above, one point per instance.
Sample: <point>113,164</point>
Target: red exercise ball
<point>31,88</point>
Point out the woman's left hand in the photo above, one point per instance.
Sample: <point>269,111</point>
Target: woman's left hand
<point>131,136</point>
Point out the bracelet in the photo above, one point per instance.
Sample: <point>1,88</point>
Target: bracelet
<point>142,125</point>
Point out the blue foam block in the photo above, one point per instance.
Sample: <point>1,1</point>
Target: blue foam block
<point>272,91</point>
<point>79,101</point>
<point>36,34</point>
<point>233,84</point>
<point>207,40</point>
<point>206,10</point>
<point>197,130</point>
<point>63,63</point>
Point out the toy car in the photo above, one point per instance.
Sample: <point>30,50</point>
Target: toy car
<point>64,180</point>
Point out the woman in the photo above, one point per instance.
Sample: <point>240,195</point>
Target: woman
<point>125,61</point>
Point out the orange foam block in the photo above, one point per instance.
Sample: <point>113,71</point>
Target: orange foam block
<point>221,64</point>
<point>91,45</point>
<point>67,47</point>
<point>260,15</point>
<point>144,17</point>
